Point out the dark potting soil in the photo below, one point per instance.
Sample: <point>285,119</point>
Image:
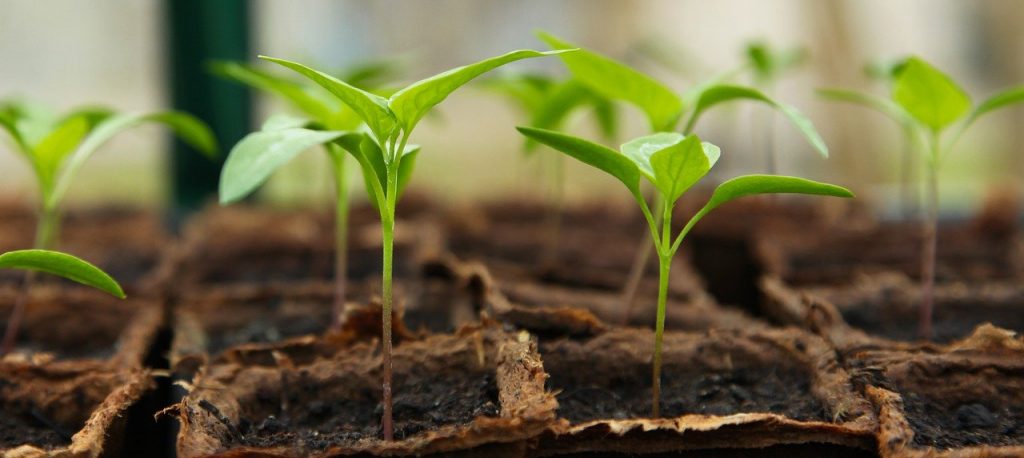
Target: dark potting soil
<point>589,391</point>
<point>19,428</point>
<point>943,426</point>
<point>422,402</point>
<point>264,330</point>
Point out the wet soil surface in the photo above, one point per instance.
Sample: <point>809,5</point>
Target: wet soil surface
<point>27,428</point>
<point>589,392</point>
<point>422,402</point>
<point>949,323</point>
<point>46,327</point>
<point>983,422</point>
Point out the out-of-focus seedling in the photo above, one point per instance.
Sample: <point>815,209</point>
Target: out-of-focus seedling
<point>672,164</point>
<point>768,65</point>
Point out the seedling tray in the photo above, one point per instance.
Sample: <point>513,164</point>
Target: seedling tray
<point>481,389</point>
<point>727,389</point>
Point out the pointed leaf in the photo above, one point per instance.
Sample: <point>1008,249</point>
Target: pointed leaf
<point>373,109</point>
<point>556,105</point>
<point>1002,99</point>
<point>723,93</point>
<point>931,97</point>
<point>618,81</point>
<point>50,153</point>
<point>410,104</point>
<point>406,166</point>
<point>291,91</point>
<point>606,159</point>
<point>680,166</point>
<point>771,184</point>
<point>251,162</point>
<point>640,149</point>
<point>185,126</point>
<point>63,265</point>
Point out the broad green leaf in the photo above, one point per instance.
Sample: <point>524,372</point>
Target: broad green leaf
<point>373,109</point>
<point>680,166</point>
<point>284,121</point>
<point>723,93</point>
<point>603,158</point>
<point>291,91</point>
<point>556,105</point>
<point>1002,99</point>
<point>410,104</point>
<point>618,81</point>
<point>884,106</point>
<point>607,116</point>
<point>260,154</point>
<point>639,150</point>
<point>406,166</point>
<point>185,126</point>
<point>770,184</point>
<point>63,265</point>
<point>9,124</point>
<point>931,97</point>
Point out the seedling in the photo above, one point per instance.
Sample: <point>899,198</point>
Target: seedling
<point>383,153</point>
<point>672,164</point>
<point>56,147</point>
<point>664,109</point>
<point>547,102</point>
<point>928,102</point>
<point>768,66</point>
<point>322,114</point>
<point>55,263</point>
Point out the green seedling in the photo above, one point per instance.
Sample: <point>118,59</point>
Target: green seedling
<point>57,146</point>
<point>548,102</point>
<point>768,65</point>
<point>665,109</point>
<point>672,164</point>
<point>382,151</point>
<point>248,166</point>
<point>927,103</point>
<point>54,263</point>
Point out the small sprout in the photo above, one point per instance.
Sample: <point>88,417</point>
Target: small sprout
<point>56,147</point>
<point>54,263</point>
<point>926,102</point>
<point>672,164</point>
<point>387,160</point>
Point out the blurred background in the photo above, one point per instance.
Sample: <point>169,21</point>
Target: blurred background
<point>150,54</point>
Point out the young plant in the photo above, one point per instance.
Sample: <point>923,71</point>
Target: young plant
<point>384,155</point>
<point>664,109</point>
<point>54,263</point>
<point>768,66</point>
<point>547,102</point>
<point>672,164</point>
<point>322,114</point>
<point>56,147</point>
<point>934,102</point>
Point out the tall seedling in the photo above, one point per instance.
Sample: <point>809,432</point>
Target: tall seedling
<point>664,109</point>
<point>672,164</point>
<point>247,166</point>
<point>547,102</point>
<point>383,153</point>
<point>930,102</point>
<point>56,147</point>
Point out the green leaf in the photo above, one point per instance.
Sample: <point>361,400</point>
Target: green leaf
<point>63,265</point>
<point>285,121</point>
<point>770,184</point>
<point>680,166</point>
<point>9,124</point>
<point>373,109</point>
<point>414,101</point>
<point>1001,99</point>
<point>603,158</point>
<point>618,81</point>
<point>884,106</point>
<point>640,149</point>
<point>294,93</point>
<point>723,93</point>
<point>371,162</point>
<point>556,105</point>
<point>260,154</point>
<point>50,153</point>
<point>185,126</point>
<point>931,97</point>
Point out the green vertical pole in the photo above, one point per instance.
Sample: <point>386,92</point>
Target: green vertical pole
<point>199,31</point>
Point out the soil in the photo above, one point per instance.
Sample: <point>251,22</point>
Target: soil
<point>29,428</point>
<point>694,381</point>
<point>46,327</point>
<point>888,306</point>
<point>941,424</point>
<point>423,401</point>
